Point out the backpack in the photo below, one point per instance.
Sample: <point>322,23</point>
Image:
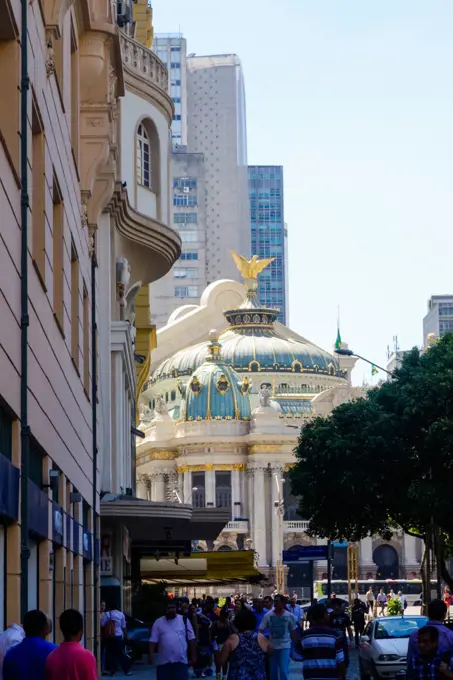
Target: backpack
<point>109,628</point>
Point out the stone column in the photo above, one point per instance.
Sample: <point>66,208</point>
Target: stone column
<point>172,485</point>
<point>277,525</point>
<point>258,529</point>
<point>236,510</point>
<point>143,486</point>
<point>187,486</point>
<point>159,480</point>
<point>210,486</point>
<point>410,551</point>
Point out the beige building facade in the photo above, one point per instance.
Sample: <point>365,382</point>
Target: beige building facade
<point>83,234</point>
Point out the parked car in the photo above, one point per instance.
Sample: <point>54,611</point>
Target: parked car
<point>383,646</point>
<point>137,638</point>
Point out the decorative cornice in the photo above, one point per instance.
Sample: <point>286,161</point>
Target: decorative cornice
<point>209,467</point>
<point>264,448</point>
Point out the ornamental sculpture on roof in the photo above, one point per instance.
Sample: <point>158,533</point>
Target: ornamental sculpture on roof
<point>250,268</point>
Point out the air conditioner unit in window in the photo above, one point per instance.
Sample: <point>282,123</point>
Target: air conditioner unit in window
<point>186,190</point>
<point>123,13</point>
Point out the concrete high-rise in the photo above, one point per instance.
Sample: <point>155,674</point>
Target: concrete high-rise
<point>269,234</point>
<point>439,319</point>
<point>171,48</point>
<point>217,129</point>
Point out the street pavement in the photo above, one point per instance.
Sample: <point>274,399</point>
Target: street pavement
<point>145,672</point>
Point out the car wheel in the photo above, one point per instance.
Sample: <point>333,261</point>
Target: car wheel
<point>364,675</point>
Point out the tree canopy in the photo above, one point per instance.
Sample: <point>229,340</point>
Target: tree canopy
<point>386,460</point>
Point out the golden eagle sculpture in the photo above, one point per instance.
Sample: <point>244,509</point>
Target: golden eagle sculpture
<point>250,268</point>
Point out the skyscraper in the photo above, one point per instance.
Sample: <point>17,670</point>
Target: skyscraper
<point>171,48</point>
<point>217,129</point>
<point>439,319</point>
<point>269,234</point>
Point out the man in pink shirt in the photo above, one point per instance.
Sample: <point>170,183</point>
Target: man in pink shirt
<point>71,661</point>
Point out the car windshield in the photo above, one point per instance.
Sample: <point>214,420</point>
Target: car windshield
<point>398,628</point>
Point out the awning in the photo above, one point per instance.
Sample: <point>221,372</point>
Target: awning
<point>211,568</point>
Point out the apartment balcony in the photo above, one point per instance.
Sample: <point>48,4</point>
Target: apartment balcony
<point>145,73</point>
<point>150,246</point>
<point>238,526</point>
<point>294,526</point>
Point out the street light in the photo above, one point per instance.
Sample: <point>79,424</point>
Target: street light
<point>279,508</point>
<point>178,497</point>
<point>194,488</point>
<point>349,353</point>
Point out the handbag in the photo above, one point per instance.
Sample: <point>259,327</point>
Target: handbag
<point>109,628</point>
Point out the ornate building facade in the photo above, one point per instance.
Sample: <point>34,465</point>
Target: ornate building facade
<point>221,414</point>
<point>83,226</point>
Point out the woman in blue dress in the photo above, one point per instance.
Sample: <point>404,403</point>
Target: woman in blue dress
<point>245,651</point>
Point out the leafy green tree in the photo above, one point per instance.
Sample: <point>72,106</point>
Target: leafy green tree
<point>387,460</point>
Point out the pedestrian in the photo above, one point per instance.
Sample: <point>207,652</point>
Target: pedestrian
<point>10,637</point>
<point>71,661</point>
<point>370,600</point>
<point>113,623</point>
<point>321,648</point>
<point>358,619</point>
<point>189,613</point>
<point>245,650</point>
<point>102,609</point>
<point>28,658</point>
<point>437,610</point>
<point>341,622</point>
<point>259,610</point>
<point>391,595</point>
<point>174,639</point>
<point>382,601</point>
<point>428,662</point>
<point>281,628</point>
<point>403,601</point>
<point>295,609</point>
<point>313,603</point>
<point>268,603</point>
<point>220,632</point>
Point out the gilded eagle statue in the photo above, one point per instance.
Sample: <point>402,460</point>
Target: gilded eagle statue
<point>250,268</point>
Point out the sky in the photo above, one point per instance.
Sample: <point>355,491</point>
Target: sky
<point>355,99</point>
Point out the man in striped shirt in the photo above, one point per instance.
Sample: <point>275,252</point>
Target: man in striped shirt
<point>322,648</point>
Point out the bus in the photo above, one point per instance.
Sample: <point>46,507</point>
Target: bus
<point>411,589</point>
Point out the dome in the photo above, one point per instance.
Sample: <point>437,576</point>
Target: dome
<point>215,391</point>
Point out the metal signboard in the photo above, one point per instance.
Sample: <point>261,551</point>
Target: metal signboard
<point>306,553</point>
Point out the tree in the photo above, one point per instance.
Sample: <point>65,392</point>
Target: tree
<point>385,461</point>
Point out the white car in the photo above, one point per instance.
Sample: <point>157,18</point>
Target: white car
<point>384,643</point>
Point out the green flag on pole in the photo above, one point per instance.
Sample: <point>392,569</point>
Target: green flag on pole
<point>338,340</point>
<point>374,370</point>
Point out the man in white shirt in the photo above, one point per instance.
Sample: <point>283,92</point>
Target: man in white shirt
<point>382,600</point>
<point>11,637</point>
<point>174,637</point>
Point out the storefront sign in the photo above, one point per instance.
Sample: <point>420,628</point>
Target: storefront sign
<point>106,555</point>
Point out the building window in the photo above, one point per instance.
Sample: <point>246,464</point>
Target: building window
<point>58,254</point>
<point>187,273</point>
<point>38,193</point>
<point>186,291</point>
<point>189,236</point>
<point>186,183</point>
<point>143,157</point>
<point>223,490</point>
<point>185,218</point>
<point>198,496</point>
<point>75,316</point>
<point>189,255</point>
<point>185,199</point>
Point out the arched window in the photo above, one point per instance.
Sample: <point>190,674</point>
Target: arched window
<point>143,157</point>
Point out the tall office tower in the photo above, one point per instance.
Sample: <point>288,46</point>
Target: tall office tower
<point>186,281</point>
<point>269,234</point>
<point>439,319</point>
<point>171,48</point>
<point>217,129</point>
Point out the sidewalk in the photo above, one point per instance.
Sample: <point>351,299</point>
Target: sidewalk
<point>143,671</point>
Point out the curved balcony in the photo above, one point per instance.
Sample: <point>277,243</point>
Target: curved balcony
<point>145,72</point>
<point>297,525</point>
<point>150,246</point>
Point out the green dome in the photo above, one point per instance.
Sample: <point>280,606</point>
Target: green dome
<point>215,391</point>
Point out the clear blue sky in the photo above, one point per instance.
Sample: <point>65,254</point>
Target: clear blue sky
<point>355,99</point>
